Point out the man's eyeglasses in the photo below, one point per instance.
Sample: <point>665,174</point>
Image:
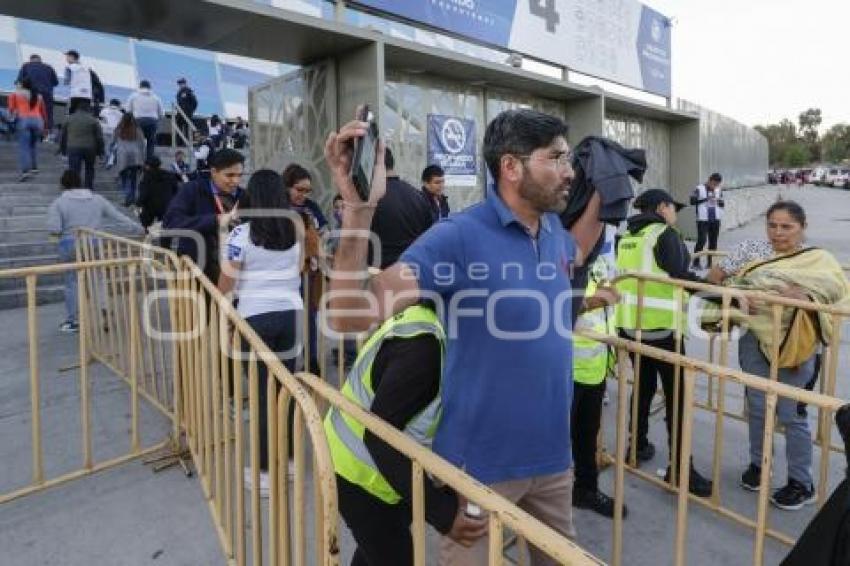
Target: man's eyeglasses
<point>561,160</point>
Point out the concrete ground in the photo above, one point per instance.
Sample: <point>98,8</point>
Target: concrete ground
<point>131,516</point>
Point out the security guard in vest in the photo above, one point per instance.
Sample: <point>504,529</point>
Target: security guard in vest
<point>397,377</point>
<point>652,245</point>
<point>592,361</point>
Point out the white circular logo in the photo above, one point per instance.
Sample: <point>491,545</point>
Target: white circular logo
<point>657,31</point>
<point>453,136</point>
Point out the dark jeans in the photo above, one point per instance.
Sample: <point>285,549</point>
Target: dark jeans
<point>48,106</point>
<point>381,530</point>
<point>77,157</point>
<point>128,184</point>
<point>277,329</point>
<point>650,371</point>
<point>707,229</point>
<point>584,429</point>
<point>148,126</point>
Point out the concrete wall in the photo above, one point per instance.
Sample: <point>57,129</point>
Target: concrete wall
<point>728,147</point>
<point>651,135</point>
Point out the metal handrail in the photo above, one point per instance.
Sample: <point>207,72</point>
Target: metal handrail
<point>177,132</point>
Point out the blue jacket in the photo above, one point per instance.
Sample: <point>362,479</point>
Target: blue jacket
<point>193,208</point>
<point>42,76</point>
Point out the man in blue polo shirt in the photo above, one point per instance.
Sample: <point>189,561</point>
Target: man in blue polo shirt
<point>499,272</point>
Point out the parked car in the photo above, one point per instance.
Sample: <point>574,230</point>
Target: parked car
<point>842,179</point>
<point>818,176</point>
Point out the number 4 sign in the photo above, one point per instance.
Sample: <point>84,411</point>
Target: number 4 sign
<point>547,10</point>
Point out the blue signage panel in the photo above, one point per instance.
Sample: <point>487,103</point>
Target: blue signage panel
<point>451,145</point>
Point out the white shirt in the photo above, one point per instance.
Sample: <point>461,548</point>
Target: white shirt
<point>144,104</point>
<point>110,117</point>
<point>270,280</point>
<point>80,81</point>
<point>711,199</point>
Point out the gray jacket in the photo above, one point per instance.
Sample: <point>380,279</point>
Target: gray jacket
<point>81,208</point>
<point>129,153</point>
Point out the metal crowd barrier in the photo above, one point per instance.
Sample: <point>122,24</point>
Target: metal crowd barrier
<point>207,335</point>
<point>124,330</point>
<point>688,371</point>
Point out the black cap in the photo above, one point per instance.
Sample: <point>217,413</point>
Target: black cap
<point>650,199</point>
<point>72,53</point>
<point>181,81</point>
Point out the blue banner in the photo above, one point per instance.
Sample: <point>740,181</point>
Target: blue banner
<point>617,40</point>
<point>653,47</point>
<point>451,145</point>
<point>489,22</point>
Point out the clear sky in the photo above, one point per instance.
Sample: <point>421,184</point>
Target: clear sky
<point>762,60</point>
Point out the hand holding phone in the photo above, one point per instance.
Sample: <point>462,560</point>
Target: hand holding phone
<point>365,155</point>
<point>341,148</point>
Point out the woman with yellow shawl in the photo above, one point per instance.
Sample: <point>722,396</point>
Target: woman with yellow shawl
<point>790,269</point>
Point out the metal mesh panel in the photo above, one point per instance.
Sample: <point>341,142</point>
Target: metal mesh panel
<point>290,119</point>
<point>651,135</point>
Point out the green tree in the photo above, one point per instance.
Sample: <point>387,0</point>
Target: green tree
<point>796,155</point>
<point>779,137</point>
<point>809,121</point>
<point>835,143</point>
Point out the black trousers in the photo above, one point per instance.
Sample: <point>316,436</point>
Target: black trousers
<point>77,158</point>
<point>707,230</point>
<point>278,330</point>
<point>650,371</point>
<point>381,530</point>
<point>584,428</point>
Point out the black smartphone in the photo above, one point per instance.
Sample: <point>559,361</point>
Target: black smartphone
<point>365,153</point>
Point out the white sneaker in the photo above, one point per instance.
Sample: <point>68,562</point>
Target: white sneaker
<point>264,482</point>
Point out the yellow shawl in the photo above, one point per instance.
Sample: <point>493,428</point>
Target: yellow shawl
<point>818,274</point>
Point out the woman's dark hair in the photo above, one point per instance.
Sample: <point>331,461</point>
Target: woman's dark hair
<point>70,180</point>
<point>127,129</point>
<point>265,192</point>
<point>791,207</point>
<point>27,84</point>
<point>294,173</point>
<point>519,132</point>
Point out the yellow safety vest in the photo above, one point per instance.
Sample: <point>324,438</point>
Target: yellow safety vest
<point>591,358</point>
<point>636,254</point>
<point>351,458</point>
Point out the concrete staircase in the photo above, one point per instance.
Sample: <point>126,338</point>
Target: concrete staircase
<point>23,218</point>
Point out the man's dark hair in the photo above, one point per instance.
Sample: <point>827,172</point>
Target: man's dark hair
<point>70,179</point>
<point>73,53</point>
<point>432,171</point>
<point>294,173</point>
<point>519,132</point>
<point>153,162</point>
<point>225,158</point>
<point>114,102</point>
<point>35,58</point>
<point>716,177</point>
<point>265,192</point>
<point>144,84</point>
<point>389,159</point>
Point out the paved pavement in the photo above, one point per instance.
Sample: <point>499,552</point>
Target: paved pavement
<point>130,516</point>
